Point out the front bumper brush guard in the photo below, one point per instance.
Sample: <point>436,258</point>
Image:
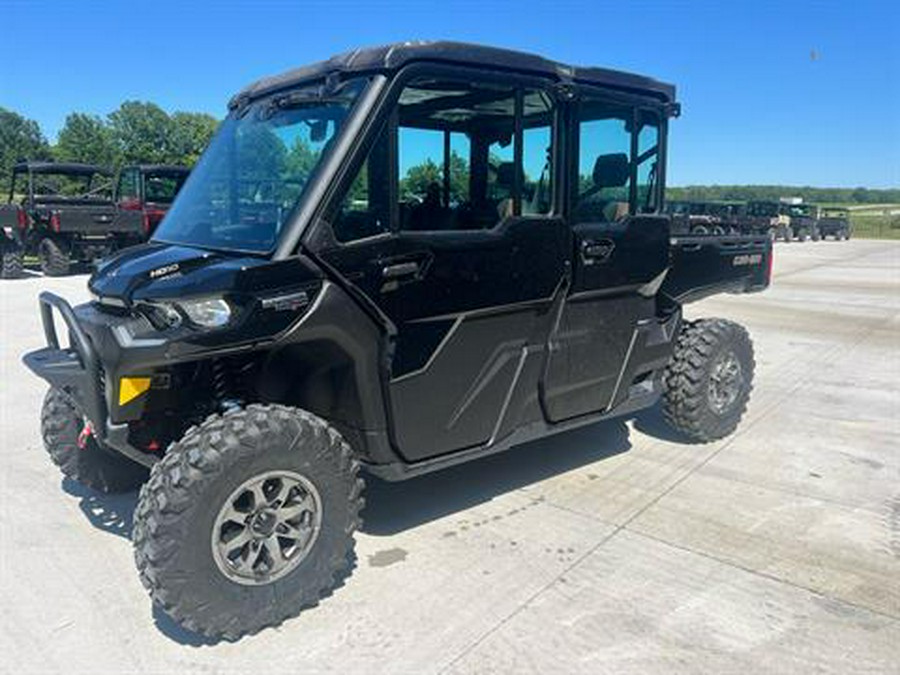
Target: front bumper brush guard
<point>77,372</point>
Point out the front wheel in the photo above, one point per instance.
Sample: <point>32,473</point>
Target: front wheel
<point>248,519</point>
<point>708,379</point>
<point>72,446</point>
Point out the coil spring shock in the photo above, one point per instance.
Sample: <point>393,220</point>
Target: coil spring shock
<point>223,386</point>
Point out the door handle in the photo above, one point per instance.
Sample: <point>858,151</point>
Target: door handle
<point>597,250</point>
<point>399,270</point>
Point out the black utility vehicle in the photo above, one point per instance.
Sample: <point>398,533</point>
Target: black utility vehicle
<point>60,212</point>
<point>767,217</point>
<point>715,218</point>
<point>690,218</point>
<point>804,221</point>
<point>835,222</point>
<point>402,258</point>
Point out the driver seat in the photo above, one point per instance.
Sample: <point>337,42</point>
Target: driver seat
<point>610,171</point>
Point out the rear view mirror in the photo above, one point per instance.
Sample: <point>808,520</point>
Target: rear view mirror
<point>318,130</point>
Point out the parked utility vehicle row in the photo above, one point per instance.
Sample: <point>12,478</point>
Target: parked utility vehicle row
<point>65,212</point>
<point>786,220</point>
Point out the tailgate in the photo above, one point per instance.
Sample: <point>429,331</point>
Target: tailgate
<point>91,220</point>
<point>703,265</point>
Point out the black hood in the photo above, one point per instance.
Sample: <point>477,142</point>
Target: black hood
<point>166,271</point>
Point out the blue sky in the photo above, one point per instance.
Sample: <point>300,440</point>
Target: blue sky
<point>773,92</point>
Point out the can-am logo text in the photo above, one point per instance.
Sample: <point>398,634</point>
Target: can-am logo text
<point>748,259</point>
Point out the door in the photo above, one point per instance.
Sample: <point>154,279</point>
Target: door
<point>620,257</point>
<point>449,229</point>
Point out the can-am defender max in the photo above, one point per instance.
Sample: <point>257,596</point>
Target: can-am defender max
<point>401,258</point>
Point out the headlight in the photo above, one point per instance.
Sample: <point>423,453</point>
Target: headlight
<point>209,313</point>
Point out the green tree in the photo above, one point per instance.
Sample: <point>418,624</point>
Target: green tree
<point>459,178</point>
<point>191,133</point>
<point>86,138</point>
<point>262,156</point>
<point>419,177</point>
<point>300,160</point>
<point>142,132</point>
<point>813,195</point>
<point>20,138</point>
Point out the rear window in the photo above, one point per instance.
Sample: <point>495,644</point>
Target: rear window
<point>161,188</point>
<point>71,186</point>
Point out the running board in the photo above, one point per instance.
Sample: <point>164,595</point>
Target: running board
<point>640,396</point>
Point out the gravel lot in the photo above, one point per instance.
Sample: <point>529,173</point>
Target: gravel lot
<point>610,549</point>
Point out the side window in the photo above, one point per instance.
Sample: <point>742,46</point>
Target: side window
<point>128,188</point>
<point>457,151</point>
<point>647,161</point>
<point>365,210</point>
<point>455,161</point>
<point>604,168</point>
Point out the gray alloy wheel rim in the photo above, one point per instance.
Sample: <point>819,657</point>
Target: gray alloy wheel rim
<point>266,527</point>
<point>725,382</point>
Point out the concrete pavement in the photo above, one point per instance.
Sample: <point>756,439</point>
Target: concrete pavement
<point>612,549</point>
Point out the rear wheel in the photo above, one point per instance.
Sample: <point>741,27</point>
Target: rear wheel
<point>13,263</point>
<point>247,520</point>
<point>54,258</point>
<point>708,380</point>
<point>79,455</point>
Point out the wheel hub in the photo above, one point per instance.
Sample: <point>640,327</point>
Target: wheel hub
<point>263,523</point>
<point>726,381</point>
<point>266,527</point>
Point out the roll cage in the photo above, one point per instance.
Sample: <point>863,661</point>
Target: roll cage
<point>375,109</point>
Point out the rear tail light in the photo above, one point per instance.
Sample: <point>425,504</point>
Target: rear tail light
<point>771,259</point>
<point>22,219</point>
<point>54,221</point>
<point>152,217</point>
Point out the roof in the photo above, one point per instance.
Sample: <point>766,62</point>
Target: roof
<point>160,168</point>
<point>61,167</point>
<point>389,58</point>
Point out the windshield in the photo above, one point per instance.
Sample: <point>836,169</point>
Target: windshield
<point>254,172</point>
